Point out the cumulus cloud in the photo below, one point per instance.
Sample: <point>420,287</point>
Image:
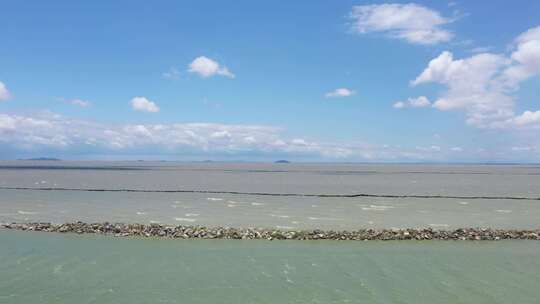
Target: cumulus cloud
<point>528,118</point>
<point>207,67</point>
<point>411,22</point>
<point>54,131</point>
<point>341,92</point>
<point>526,57</point>
<point>50,133</point>
<point>418,102</point>
<point>4,92</point>
<point>399,105</point>
<point>482,85</point>
<point>144,105</point>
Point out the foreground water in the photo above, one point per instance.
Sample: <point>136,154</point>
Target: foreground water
<point>501,184</point>
<point>55,268</point>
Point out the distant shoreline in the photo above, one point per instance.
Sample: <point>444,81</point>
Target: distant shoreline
<point>201,232</point>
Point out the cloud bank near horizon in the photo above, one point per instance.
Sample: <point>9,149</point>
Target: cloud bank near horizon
<point>52,134</point>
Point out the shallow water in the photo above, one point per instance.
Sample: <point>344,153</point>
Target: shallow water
<point>55,268</point>
<point>316,178</point>
<point>286,212</point>
<point>265,211</point>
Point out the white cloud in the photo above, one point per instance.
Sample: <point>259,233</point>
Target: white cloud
<point>52,132</point>
<point>49,133</point>
<point>526,58</point>
<point>80,103</point>
<point>471,87</point>
<point>341,92</point>
<point>417,102</point>
<point>412,22</point>
<point>207,67</point>
<point>528,118</point>
<point>483,85</point>
<point>144,105</point>
<point>399,105</point>
<point>57,132</point>
<point>4,92</point>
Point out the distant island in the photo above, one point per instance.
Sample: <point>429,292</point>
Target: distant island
<point>282,161</point>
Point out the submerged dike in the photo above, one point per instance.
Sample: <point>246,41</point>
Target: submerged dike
<point>201,232</point>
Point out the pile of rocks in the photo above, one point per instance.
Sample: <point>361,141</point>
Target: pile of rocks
<point>201,232</point>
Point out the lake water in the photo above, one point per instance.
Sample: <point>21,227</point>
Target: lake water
<point>272,210</point>
<point>56,268</point>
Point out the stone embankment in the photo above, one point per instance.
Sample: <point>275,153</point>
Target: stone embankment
<point>201,232</point>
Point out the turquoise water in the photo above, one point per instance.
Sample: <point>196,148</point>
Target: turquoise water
<point>56,268</point>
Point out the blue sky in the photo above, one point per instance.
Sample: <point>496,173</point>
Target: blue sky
<point>260,80</point>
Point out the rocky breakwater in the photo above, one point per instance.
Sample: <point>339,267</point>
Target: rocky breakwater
<point>201,232</point>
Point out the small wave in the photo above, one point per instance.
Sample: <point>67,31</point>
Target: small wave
<point>463,203</point>
<point>439,225</point>
<point>279,215</point>
<point>214,199</point>
<point>141,213</point>
<point>322,218</point>
<point>377,207</point>
<point>192,214</point>
<point>26,212</point>
<point>154,222</point>
<point>257,204</point>
<point>238,203</point>
<point>503,211</point>
<point>232,205</point>
<point>183,219</point>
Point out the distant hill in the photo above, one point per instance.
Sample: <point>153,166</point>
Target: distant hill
<point>282,161</point>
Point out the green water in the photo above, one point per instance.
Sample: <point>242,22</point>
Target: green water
<point>55,268</point>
